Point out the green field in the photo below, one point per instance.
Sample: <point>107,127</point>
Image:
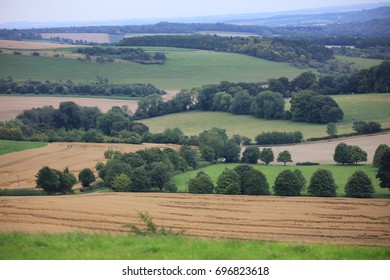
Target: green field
<point>183,69</point>
<point>367,107</point>
<point>360,62</point>
<point>8,146</point>
<point>82,246</point>
<point>340,174</point>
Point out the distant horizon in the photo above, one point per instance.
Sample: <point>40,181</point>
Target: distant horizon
<point>47,12</point>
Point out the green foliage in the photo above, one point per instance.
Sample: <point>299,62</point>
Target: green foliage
<point>268,105</point>
<point>202,184</point>
<point>356,154</point>
<point>322,183</point>
<point>331,129</point>
<point>252,181</point>
<point>384,169</point>
<point>359,185</point>
<point>228,183</point>
<point>231,151</point>
<point>362,127</point>
<point>346,154</point>
<point>159,174</point>
<point>170,187</point>
<point>86,177</point>
<point>55,181</point>
<point>284,156</point>
<point>277,138</point>
<point>121,183</point>
<point>251,155</point>
<point>241,103</point>
<point>140,180</point>
<point>378,154</point>
<point>267,155</point>
<point>287,183</point>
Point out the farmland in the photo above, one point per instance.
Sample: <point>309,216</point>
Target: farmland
<point>360,62</point>
<point>316,220</point>
<point>8,146</point>
<point>368,107</point>
<point>184,68</point>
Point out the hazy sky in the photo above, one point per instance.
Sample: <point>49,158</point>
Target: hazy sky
<point>90,10</point>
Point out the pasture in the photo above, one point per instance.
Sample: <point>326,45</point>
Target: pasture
<point>367,107</point>
<point>360,62</point>
<point>9,146</point>
<point>340,174</point>
<point>184,68</point>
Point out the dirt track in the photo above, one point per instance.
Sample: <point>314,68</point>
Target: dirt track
<point>295,219</point>
<point>17,170</point>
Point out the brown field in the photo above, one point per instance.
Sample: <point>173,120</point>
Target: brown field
<point>11,106</point>
<point>25,45</point>
<point>287,219</point>
<point>17,170</point>
<point>89,37</point>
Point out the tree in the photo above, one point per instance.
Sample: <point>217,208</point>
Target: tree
<point>48,179</point>
<point>241,103</point>
<point>121,183</point>
<point>231,151</point>
<point>202,184</point>
<point>378,154</point>
<point>362,127</point>
<point>356,154</point>
<point>287,184</point>
<point>67,180</point>
<point>86,177</point>
<point>284,157</point>
<point>140,180</point>
<point>214,138</point>
<point>342,154</point>
<point>159,174</point>
<point>252,181</point>
<point>322,183</point>
<point>251,155</point>
<point>359,185</point>
<point>207,153</point>
<point>221,102</point>
<point>268,105</point>
<point>383,173</point>
<point>170,187</point>
<point>304,81</point>
<point>331,129</point>
<point>228,183</point>
<point>267,155</point>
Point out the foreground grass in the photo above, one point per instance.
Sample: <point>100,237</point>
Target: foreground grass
<point>367,107</point>
<point>340,174</point>
<point>70,246</point>
<point>184,68</point>
<point>9,146</point>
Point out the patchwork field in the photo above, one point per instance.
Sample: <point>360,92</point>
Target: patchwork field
<point>17,170</point>
<point>27,45</point>
<point>294,219</point>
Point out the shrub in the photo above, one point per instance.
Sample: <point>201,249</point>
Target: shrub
<point>288,184</point>
<point>275,137</point>
<point>322,183</point>
<point>359,185</point>
<point>307,163</point>
<point>86,177</point>
<point>228,183</point>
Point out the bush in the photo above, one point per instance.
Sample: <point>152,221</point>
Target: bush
<point>363,127</point>
<point>202,184</point>
<point>277,138</point>
<point>228,183</point>
<point>322,183</point>
<point>86,177</point>
<point>307,163</point>
<point>288,184</point>
<point>121,183</point>
<point>170,187</point>
<point>359,185</point>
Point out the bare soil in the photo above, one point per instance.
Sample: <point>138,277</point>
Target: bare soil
<point>18,170</point>
<point>287,219</point>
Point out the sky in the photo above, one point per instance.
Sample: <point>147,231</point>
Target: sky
<point>93,10</point>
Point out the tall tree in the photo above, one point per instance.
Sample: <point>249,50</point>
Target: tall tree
<point>359,185</point>
<point>284,157</point>
<point>384,170</point>
<point>228,183</point>
<point>251,155</point>
<point>267,155</point>
<point>322,183</point>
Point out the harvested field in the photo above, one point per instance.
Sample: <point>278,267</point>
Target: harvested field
<point>26,45</point>
<point>287,219</point>
<point>17,170</point>
<point>89,37</point>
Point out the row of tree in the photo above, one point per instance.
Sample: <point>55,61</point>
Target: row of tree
<point>102,87</point>
<point>137,55</point>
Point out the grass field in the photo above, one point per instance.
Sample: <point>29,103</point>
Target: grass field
<point>367,107</point>
<point>183,69</point>
<point>76,246</point>
<point>8,146</point>
<point>340,174</point>
<point>360,62</point>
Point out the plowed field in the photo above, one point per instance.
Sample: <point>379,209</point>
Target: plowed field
<point>17,170</point>
<point>295,219</point>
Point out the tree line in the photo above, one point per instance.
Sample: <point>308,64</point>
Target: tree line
<point>137,55</point>
<point>102,87</point>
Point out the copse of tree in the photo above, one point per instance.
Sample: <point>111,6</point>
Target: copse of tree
<point>251,181</point>
<point>378,154</point>
<point>359,185</point>
<point>287,183</point>
<point>268,105</point>
<point>362,127</point>
<point>55,181</point>
<point>322,183</point>
<point>308,106</point>
<point>346,154</point>
<point>277,138</point>
<point>201,184</point>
